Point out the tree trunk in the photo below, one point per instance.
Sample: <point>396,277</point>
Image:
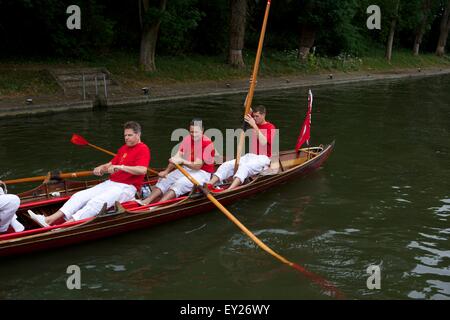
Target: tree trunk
<point>307,38</point>
<point>445,27</point>
<point>390,41</point>
<point>148,48</point>
<point>149,37</point>
<point>420,31</point>
<point>238,14</point>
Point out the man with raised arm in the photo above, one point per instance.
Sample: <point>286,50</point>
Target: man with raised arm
<point>258,159</point>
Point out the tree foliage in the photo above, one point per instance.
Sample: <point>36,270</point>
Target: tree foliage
<point>38,27</point>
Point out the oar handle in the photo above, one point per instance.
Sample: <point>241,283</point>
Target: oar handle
<point>76,174</point>
<point>42,178</point>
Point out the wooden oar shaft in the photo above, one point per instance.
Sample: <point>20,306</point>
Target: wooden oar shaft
<point>101,149</point>
<point>42,178</point>
<point>76,174</point>
<point>319,280</point>
<point>257,60</point>
<point>246,231</point>
<point>113,154</point>
<point>249,99</point>
<point>233,218</point>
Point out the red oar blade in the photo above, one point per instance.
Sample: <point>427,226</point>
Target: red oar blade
<point>78,140</point>
<point>327,286</point>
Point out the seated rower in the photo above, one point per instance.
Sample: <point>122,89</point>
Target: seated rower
<point>196,155</point>
<point>9,203</point>
<point>260,151</point>
<point>127,169</point>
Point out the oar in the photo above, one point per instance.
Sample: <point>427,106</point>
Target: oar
<point>80,141</point>
<point>314,277</point>
<point>41,178</point>
<point>251,91</point>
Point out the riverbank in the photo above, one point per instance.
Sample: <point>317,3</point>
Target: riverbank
<point>46,96</point>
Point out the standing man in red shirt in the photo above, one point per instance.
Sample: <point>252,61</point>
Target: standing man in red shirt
<point>127,169</point>
<point>258,159</point>
<point>196,155</point>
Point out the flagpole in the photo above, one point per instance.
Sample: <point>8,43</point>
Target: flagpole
<point>305,130</point>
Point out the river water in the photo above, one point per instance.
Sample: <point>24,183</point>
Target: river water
<point>382,198</point>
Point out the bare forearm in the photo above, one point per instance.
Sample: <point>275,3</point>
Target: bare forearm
<point>178,158</point>
<point>102,169</point>
<point>170,167</point>
<point>135,170</point>
<point>261,138</point>
<point>193,165</point>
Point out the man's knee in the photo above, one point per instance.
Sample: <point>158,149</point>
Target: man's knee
<point>14,202</point>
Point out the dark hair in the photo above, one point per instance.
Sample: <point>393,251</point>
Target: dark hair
<point>197,122</point>
<point>136,127</point>
<point>260,109</point>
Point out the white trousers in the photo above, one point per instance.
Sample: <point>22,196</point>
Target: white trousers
<point>249,165</point>
<point>89,202</point>
<point>9,204</point>
<point>177,182</point>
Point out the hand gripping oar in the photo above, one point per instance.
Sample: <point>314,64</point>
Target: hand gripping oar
<point>42,178</point>
<point>80,141</point>
<point>312,276</point>
<point>251,91</point>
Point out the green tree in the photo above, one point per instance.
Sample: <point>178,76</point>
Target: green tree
<point>179,21</point>
<point>211,36</point>
<point>150,17</point>
<point>444,29</point>
<point>39,28</point>
<point>238,15</point>
<point>423,18</point>
<point>392,9</point>
<point>330,23</point>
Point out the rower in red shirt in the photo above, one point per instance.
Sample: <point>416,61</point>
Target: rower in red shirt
<point>196,155</point>
<point>127,169</point>
<point>258,159</point>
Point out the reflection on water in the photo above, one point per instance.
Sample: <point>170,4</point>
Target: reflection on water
<point>433,258</point>
<point>381,199</point>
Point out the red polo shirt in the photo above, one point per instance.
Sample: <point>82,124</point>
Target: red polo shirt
<point>202,149</point>
<point>268,130</point>
<point>137,155</point>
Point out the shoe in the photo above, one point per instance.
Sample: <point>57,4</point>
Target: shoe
<point>38,218</point>
<point>17,226</point>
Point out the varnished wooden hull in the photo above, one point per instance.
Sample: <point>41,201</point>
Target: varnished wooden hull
<point>129,219</point>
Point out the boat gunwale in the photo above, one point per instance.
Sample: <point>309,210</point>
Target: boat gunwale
<point>132,217</point>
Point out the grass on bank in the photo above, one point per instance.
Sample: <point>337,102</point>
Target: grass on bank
<point>18,82</point>
<point>19,78</point>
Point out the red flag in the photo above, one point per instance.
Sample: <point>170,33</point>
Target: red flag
<point>306,128</point>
